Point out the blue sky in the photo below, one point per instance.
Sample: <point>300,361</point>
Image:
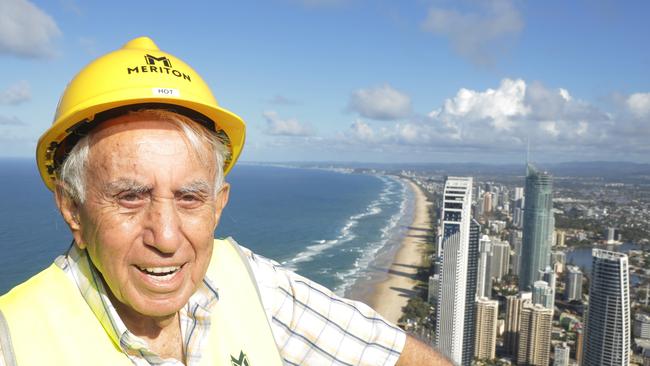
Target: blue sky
<point>354,80</point>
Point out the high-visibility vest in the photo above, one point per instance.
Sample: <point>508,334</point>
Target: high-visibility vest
<point>47,321</point>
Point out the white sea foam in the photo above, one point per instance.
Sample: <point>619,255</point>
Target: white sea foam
<point>346,234</point>
<point>369,254</point>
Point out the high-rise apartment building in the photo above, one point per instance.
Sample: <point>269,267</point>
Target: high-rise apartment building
<point>561,355</point>
<point>543,294</point>
<point>573,285</point>
<point>549,276</point>
<point>470,292</point>
<point>483,282</point>
<point>515,244</point>
<point>580,341</point>
<point>514,304</point>
<point>535,326</point>
<point>641,327</point>
<point>487,203</point>
<point>558,260</point>
<point>538,226</point>
<point>607,334</point>
<point>485,337</point>
<point>500,259</point>
<point>432,293</point>
<point>457,228</point>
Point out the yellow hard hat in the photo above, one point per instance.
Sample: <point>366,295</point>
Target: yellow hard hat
<point>136,76</point>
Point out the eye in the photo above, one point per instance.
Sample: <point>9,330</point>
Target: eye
<point>190,200</point>
<point>130,199</point>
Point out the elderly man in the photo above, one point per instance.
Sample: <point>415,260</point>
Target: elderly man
<point>136,157</point>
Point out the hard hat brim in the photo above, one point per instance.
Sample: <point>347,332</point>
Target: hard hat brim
<point>222,119</point>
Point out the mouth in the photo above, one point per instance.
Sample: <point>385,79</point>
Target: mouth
<point>160,273</point>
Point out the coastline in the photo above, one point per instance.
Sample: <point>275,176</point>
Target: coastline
<point>390,294</point>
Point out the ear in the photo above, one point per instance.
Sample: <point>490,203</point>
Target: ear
<point>70,211</point>
<point>222,199</point>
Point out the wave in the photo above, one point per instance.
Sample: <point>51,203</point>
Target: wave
<point>346,233</point>
<point>369,254</point>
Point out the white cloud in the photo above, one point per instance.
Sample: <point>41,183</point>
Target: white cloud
<point>362,131</point>
<point>26,30</point>
<point>380,103</point>
<point>500,120</point>
<point>479,35</point>
<point>16,93</point>
<point>639,104</point>
<point>498,106</point>
<point>282,100</point>
<point>285,127</point>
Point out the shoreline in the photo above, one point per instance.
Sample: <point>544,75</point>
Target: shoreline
<point>391,292</point>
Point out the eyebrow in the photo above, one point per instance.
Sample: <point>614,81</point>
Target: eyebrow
<point>197,186</point>
<point>126,184</point>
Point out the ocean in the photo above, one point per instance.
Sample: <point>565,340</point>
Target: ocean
<point>330,226</point>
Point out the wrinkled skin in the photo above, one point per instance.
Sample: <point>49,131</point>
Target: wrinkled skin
<point>149,203</point>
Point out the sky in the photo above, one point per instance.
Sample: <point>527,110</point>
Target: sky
<point>364,81</point>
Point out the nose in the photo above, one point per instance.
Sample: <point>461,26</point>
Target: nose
<point>163,230</point>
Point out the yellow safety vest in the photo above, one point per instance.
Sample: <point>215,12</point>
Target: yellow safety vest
<point>47,321</point>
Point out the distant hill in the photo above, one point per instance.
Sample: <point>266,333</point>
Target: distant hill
<point>604,169</point>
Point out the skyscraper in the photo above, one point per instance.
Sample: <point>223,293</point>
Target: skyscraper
<point>573,286</point>
<point>483,282</point>
<point>607,335</point>
<point>515,244</point>
<point>453,289</point>
<point>470,292</point>
<point>514,303</point>
<point>535,325</point>
<point>548,275</point>
<point>538,226</point>
<point>543,294</point>
<point>561,355</point>
<point>485,337</point>
<point>500,259</point>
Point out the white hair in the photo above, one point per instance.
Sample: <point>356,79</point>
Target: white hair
<point>203,142</point>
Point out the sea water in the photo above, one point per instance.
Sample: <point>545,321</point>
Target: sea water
<point>329,226</point>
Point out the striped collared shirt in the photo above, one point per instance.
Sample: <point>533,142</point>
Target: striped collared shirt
<point>310,324</point>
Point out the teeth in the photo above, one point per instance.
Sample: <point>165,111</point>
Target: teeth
<point>160,270</point>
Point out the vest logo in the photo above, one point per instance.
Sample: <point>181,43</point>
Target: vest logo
<point>241,361</point>
<point>161,65</point>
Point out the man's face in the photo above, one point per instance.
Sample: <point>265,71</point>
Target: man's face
<point>149,214</point>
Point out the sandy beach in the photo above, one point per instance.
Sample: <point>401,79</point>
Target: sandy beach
<point>391,294</point>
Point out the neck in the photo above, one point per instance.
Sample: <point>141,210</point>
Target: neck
<point>162,334</point>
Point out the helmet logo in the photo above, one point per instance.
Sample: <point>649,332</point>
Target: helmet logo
<point>160,65</point>
<point>151,60</point>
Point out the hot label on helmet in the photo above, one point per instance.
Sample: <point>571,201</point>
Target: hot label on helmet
<point>166,92</point>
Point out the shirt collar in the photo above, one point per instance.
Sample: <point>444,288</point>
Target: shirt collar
<point>80,269</point>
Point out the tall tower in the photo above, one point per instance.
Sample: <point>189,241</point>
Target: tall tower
<point>500,259</point>
<point>514,305</point>
<point>486,328</point>
<point>538,226</point>
<point>607,340</point>
<point>573,287</point>
<point>470,292</point>
<point>483,283</point>
<point>454,248</point>
<point>535,326</point>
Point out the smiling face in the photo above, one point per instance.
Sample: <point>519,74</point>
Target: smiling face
<point>149,215</point>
